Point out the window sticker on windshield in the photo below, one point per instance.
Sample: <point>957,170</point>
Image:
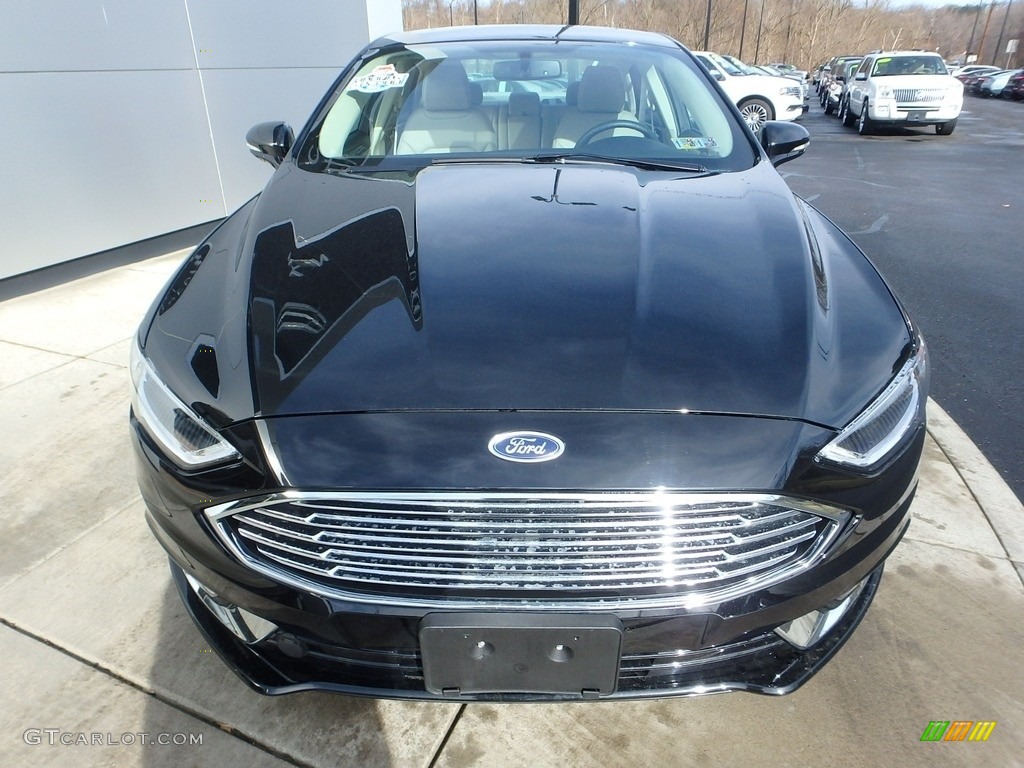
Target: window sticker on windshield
<point>380,79</point>
<point>695,142</point>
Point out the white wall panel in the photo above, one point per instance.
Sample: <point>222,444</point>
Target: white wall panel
<point>383,18</point>
<point>240,98</point>
<point>119,157</point>
<point>84,35</point>
<point>312,33</point>
<point>132,114</point>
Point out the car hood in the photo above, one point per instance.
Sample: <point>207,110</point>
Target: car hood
<point>571,287</point>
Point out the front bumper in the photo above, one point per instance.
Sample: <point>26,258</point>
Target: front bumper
<point>894,113</point>
<point>282,639</point>
<point>294,641</point>
<point>285,662</point>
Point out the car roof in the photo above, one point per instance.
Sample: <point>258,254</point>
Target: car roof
<point>527,32</point>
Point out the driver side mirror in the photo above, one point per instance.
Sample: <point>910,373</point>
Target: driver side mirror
<point>270,141</point>
<point>784,141</point>
<point>718,76</point>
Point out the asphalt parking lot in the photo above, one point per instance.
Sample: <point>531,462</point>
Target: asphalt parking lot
<point>100,664</point>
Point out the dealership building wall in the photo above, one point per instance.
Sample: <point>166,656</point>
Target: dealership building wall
<point>125,120</point>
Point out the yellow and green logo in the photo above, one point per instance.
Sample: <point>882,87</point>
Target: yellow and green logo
<point>958,730</point>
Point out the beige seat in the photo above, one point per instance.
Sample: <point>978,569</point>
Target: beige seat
<point>447,118</point>
<point>521,125</point>
<point>601,97</point>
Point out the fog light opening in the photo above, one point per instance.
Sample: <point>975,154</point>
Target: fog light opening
<point>806,631</point>
<point>243,624</point>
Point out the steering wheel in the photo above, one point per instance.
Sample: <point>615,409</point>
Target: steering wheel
<point>608,125</point>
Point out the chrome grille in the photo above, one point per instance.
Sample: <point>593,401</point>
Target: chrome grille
<point>920,95</point>
<point>544,550</point>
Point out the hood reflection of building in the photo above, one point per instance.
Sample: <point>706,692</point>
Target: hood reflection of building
<point>306,297</point>
<point>554,194</point>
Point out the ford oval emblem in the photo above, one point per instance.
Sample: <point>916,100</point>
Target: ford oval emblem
<point>526,447</point>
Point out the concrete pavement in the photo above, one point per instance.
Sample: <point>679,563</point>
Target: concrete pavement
<point>99,663</point>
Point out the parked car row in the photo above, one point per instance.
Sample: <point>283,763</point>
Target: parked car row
<point>994,82</point>
<point>891,88</point>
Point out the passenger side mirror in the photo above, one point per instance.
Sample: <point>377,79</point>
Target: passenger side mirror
<point>718,76</point>
<point>270,141</point>
<point>784,141</point>
<point>861,76</point>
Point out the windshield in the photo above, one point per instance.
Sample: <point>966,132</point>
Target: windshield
<point>745,69</point>
<point>725,64</point>
<point>408,106</point>
<point>909,65</point>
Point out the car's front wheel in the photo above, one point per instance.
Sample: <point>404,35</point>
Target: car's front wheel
<point>756,112</point>
<point>829,106</point>
<point>864,124</point>
<point>845,115</point>
<point>945,129</point>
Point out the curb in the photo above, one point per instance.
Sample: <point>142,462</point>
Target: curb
<point>1001,508</point>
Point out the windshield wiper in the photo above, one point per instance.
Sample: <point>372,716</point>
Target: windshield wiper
<point>634,162</point>
<point>345,166</point>
<point>475,159</point>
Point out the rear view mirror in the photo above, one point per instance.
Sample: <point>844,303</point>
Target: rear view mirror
<point>527,69</point>
<point>270,141</point>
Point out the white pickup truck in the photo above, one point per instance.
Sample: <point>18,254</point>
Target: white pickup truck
<point>905,88</point>
<point>759,97</point>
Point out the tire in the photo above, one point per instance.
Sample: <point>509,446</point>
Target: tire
<point>864,124</point>
<point>756,112</point>
<point>845,114</point>
<point>945,129</point>
<point>829,108</point>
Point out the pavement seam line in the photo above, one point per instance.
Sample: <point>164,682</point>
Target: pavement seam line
<point>447,736</point>
<point>970,489</point>
<point>67,545</point>
<point>950,547</point>
<point>72,359</point>
<point>153,693</point>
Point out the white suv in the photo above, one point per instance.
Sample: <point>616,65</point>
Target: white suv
<point>759,97</point>
<point>903,88</point>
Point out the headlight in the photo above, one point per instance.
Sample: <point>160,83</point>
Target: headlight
<point>884,92</point>
<point>793,90</point>
<point>872,436</point>
<point>184,435</point>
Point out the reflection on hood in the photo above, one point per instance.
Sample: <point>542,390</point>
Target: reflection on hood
<point>306,296</point>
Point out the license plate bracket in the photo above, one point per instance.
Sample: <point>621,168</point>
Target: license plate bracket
<point>476,653</point>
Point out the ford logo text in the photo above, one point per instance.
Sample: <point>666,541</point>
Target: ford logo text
<point>526,447</point>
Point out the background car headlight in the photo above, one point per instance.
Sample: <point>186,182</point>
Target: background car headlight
<point>186,438</point>
<point>871,437</point>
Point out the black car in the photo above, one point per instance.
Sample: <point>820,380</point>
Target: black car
<point>521,396</point>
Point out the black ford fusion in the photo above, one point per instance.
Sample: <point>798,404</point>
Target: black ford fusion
<point>527,378</point>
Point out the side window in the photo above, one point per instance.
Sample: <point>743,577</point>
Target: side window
<point>865,66</point>
<point>708,64</point>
